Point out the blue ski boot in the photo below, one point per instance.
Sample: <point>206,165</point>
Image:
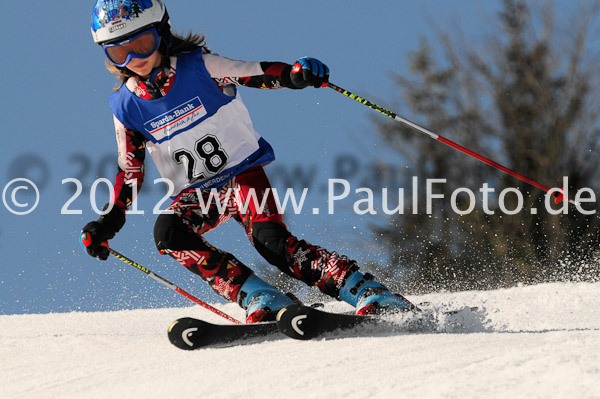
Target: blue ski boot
<point>370,297</point>
<point>261,300</point>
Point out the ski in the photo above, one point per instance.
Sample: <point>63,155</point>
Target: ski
<point>296,321</point>
<point>304,323</point>
<point>188,333</point>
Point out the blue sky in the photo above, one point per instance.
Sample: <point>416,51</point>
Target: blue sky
<point>57,125</point>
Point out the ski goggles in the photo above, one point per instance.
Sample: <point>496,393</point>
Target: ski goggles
<point>142,45</point>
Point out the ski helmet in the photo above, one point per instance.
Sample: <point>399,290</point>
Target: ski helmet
<point>113,20</point>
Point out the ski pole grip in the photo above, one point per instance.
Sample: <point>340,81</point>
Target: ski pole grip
<point>296,68</point>
<point>86,240</point>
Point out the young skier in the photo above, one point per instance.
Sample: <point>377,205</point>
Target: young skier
<point>181,103</point>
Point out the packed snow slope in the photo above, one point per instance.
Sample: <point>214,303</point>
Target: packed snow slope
<point>529,342</point>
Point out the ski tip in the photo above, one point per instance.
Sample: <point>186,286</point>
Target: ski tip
<point>186,333</point>
<point>294,322</point>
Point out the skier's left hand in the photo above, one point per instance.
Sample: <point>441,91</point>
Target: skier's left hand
<point>309,71</point>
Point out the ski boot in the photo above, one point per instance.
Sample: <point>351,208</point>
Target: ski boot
<point>370,297</point>
<point>261,300</point>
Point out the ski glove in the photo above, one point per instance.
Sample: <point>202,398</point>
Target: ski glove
<point>309,72</point>
<point>95,235</point>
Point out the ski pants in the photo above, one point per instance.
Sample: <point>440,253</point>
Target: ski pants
<point>249,200</point>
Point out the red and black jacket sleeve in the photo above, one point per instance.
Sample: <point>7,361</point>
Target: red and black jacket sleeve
<point>276,75</point>
<point>130,176</point>
<point>261,75</point>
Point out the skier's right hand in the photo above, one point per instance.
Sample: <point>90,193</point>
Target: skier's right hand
<point>93,238</point>
<point>95,235</point>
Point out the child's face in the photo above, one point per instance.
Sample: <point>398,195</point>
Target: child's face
<point>143,66</point>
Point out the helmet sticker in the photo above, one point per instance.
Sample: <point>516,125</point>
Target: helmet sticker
<point>111,11</point>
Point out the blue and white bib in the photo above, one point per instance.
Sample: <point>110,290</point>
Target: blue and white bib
<point>198,136</point>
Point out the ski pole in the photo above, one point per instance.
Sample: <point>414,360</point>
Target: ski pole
<point>172,286</point>
<point>86,241</point>
<point>559,195</point>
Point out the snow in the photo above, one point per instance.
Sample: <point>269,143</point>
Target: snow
<point>528,342</point>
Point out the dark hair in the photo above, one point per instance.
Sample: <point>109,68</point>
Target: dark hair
<point>171,46</point>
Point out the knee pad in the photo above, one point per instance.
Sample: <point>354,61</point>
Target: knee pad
<point>270,240</point>
<point>170,232</point>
